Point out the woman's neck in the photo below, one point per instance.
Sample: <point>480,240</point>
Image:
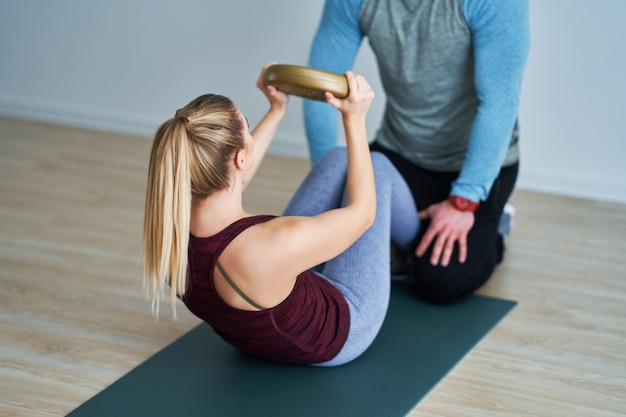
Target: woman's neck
<point>214,213</point>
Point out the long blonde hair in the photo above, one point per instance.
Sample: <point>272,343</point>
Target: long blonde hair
<point>190,157</point>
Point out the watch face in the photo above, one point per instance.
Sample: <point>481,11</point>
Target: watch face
<point>464,204</point>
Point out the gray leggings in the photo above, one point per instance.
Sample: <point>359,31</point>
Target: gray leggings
<point>362,272</point>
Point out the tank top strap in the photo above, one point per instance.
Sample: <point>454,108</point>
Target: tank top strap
<point>236,288</point>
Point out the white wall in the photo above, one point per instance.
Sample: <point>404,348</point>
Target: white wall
<point>125,66</point>
<point>573,108</point>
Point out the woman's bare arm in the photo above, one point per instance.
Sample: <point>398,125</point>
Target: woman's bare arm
<point>265,130</point>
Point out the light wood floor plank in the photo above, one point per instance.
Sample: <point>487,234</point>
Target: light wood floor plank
<point>74,318</point>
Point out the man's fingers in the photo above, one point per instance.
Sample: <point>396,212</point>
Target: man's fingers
<point>438,249</point>
<point>462,249</point>
<point>425,242</point>
<point>447,252</point>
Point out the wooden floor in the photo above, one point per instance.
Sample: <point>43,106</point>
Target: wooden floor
<point>73,317</point>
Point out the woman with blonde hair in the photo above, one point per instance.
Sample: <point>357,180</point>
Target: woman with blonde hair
<point>309,287</point>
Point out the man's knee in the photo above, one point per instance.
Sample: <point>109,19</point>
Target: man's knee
<point>445,285</point>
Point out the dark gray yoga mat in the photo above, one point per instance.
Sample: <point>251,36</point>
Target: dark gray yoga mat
<point>200,375</point>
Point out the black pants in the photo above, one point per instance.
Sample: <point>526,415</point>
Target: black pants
<point>485,248</point>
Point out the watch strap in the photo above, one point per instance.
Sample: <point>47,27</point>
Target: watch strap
<point>464,204</point>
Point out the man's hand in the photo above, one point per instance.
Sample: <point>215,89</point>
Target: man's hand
<point>447,227</point>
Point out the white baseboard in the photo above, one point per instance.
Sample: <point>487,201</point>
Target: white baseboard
<point>293,146</point>
<point>588,187</point>
<point>574,185</point>
<point>89,118</point>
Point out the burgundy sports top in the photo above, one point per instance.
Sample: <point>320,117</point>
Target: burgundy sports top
<point>310,326</point>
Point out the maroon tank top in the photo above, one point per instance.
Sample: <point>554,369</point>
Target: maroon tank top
<point>310,326</point>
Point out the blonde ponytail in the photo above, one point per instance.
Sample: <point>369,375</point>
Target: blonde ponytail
<point>167,213</point>
<point>189,157</point>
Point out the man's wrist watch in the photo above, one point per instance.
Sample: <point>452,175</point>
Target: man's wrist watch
<point>463,204</point>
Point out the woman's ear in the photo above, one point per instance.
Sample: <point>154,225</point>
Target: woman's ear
<point>240,159</point>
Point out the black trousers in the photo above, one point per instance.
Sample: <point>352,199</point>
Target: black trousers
<point>485,248</point>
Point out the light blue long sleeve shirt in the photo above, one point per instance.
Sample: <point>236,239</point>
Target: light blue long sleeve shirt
<point>472,133</point>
